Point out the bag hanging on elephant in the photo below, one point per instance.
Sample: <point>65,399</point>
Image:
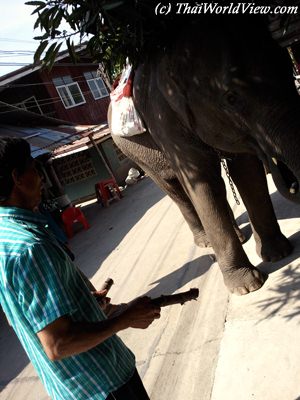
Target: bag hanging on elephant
<point>125,120</point>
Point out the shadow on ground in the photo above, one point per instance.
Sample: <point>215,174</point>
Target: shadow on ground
<point>10,350</point>
<point>180,277</point>
<point>284,209</point>
<point>284,296</point>
<point>110,225</point>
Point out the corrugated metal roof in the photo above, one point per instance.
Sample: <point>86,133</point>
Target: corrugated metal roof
<point>41,140</point>
<point>84,142</point>
<point>61,140</point>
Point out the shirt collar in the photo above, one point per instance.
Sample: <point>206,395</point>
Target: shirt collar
<point>16,213</point>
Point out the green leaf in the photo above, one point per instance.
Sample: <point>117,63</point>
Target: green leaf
<point>35,3</point>
<point>112,5</point>
<point>71,50</point>
<point>38,9</point>
<point>46,18</point>
<point>53,54</point>
<point>39,51</point>
<point>36,24</point>
<point>45,36</point>
<point>49,53</point>
<point>57,20</point>
<point>129,27</point>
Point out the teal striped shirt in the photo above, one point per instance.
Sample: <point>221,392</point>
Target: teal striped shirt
<point>38,284</point>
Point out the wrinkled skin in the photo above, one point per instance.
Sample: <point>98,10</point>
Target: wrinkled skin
<point>144,152</point>
<point>225,86</point>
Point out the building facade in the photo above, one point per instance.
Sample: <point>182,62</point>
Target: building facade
<point>75,96</point>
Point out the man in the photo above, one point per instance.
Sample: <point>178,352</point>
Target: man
<point>68,338</point>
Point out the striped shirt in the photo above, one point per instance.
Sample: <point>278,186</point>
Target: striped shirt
<point>38,284</point>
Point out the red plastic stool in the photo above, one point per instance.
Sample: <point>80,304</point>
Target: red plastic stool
<point>71,215</point>
<point>107,190</point>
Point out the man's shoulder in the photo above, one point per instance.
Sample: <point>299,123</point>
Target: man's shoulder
<point>18,231</point>
<point>17,239</point>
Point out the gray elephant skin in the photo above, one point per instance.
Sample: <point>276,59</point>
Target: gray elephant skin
<point>223,87</point>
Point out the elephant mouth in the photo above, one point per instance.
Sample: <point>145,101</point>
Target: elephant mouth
<point>285,180</point>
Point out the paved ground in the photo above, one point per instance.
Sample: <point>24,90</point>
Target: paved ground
<point>220,347</point>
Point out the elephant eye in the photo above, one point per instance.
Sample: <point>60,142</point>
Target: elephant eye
<point>233,101</point>
<point>231,98</point>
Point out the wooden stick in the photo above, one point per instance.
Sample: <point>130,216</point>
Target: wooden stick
<point>178,298</point>
<point>107,284</point>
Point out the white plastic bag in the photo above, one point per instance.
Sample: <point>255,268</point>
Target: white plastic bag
<point>132,177</point>
<point>125,120</point>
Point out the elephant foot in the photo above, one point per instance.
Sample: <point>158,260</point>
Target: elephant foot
<point>201,240</point>
<point>274,248</point>
<point>243,280</point>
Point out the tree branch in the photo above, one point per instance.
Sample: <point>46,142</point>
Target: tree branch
<point>178,298</point>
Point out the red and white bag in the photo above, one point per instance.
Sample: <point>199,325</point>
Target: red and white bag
<point>125,120</point>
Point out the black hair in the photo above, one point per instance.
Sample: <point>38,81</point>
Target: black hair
<point>14,154</point>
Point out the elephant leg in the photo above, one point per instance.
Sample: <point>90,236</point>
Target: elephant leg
<point>239,233</point>
<point>248,175</point>
<point>174,189</point>
<point>145,153</point>
<point>207,191</point>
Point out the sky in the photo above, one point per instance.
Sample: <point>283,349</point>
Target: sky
<point>16,34</point>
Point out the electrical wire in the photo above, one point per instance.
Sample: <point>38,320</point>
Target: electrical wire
<point>45,101</point>
<point>17,51</point>
<point>16,64</point>
<point>44,104</point>
<point>3,39</point>
<point>8,85</point>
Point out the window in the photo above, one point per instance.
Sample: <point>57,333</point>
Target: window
<point>30,104</point>
<point>74,168</point>
<point>96,85</point>
<point>69,91</point>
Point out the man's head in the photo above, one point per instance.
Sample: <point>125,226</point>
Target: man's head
<point>20,183</point>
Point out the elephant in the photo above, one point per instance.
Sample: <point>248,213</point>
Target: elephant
<point>221,88</point>
<point>143,150</point>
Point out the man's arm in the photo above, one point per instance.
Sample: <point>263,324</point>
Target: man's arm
<point>86,280</point>
<point>64,338</point>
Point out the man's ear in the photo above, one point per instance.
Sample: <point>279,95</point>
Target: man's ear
<point>16,177</point>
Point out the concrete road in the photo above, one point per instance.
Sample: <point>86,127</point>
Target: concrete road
<point>220,347</point>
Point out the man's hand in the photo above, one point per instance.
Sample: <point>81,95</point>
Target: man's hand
<point>139,313</point>
<point>105,304</point>
<point>101,298</point>
<point>64,337</point>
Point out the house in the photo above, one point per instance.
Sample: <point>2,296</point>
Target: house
<point>75,100</point>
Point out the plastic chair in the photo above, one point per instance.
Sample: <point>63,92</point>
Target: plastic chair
<point>106,191</point>
<point>71,215</point>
